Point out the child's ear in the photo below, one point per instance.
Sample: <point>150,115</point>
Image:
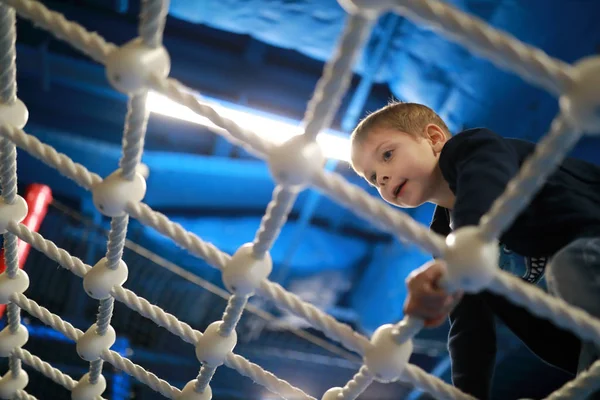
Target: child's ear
<point>436,137</point>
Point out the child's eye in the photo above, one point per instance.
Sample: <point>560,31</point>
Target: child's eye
<point>373,178</point>
<point>387,155</point>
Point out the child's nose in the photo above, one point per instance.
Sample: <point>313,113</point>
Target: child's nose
<point>383,180</point>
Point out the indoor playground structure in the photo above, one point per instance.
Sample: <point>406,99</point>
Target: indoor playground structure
<point>143,65</point>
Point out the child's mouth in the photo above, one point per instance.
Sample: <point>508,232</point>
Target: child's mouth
<point>399,188</point>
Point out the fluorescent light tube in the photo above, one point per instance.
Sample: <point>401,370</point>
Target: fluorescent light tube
<point>271,128</point>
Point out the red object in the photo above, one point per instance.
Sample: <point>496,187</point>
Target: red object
<point>38,197</point>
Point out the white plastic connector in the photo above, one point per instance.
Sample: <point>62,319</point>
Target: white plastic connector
<point>15,114</point>
<point>10,385</point>
<point>84,390</point>
<point>333,394</point>
<point>99,281</point>
<point>471,262</point>
<point>9,286</point>
<point>130,66</point>
<point>15,212</point>
<point>369,8</point>
<point>188,392</point>
<point>244,272</point>
<point>91,344</point>
<point>294,162</point>
<point>10,341</point>
<point>384,357</point>
<point>112,194</point>
<point>581,103</point>
<point>212,348</point>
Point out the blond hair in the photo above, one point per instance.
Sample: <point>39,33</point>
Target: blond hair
<point>411,118</point>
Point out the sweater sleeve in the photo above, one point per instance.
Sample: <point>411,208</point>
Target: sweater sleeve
<point>477,165</point>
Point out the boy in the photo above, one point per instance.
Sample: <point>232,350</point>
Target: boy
<point>406,151</point>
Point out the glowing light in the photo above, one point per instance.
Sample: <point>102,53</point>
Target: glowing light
<point>271,128</point>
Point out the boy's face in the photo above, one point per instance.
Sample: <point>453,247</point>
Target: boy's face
<point>402,167</point>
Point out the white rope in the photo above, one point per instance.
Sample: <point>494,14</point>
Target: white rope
<point>138,372</point>
<point>273,220</point>
<point>91,44</point>
<point>23,395</point>
<point>561,313</point>
<point>251,141</point>
<point>188,240</point>
<point>47,154</point>
<point>436,387</point>
<point>336,76</point>
<point>548,153</point>
<point>332,328</point>
<point>156,314</point>
<point>358,384</point>
<point>374,210</point>
<point>8,160</point>
<point>112,357</point>
<point>265,378</point>
<point>47,247</point>
<point>504,50</point>
<point>581,387</point>
<point>43,367</point>
<point>46,316</point>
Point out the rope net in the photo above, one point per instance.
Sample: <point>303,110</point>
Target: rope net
<point>143,65</point>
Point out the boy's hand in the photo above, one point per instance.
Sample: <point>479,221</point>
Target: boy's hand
<point>426,299</point>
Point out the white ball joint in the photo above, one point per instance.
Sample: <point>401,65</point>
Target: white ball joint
<point>112,195</point>
<point>130,66</point>
<point>294,162</point>
<point>369,8</point>
<point>99,281</point>
<point>471,262</point>
<point>581,102</point>
<point>212,348</point>
<point>15,114</point>
<point>10,341</point>
<point>10,385</point>
<point>386,358</point>
<point>91,345</point>
<point>9,286</point>
<point>244,272</point>
<point>15,212</point>
<point>84,390</point>
<point>188,392</point>
<point>333,394</point>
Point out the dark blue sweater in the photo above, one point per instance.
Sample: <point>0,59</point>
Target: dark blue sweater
<point>477,164</point>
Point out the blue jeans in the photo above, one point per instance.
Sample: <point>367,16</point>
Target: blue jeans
<point>573,274</point>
